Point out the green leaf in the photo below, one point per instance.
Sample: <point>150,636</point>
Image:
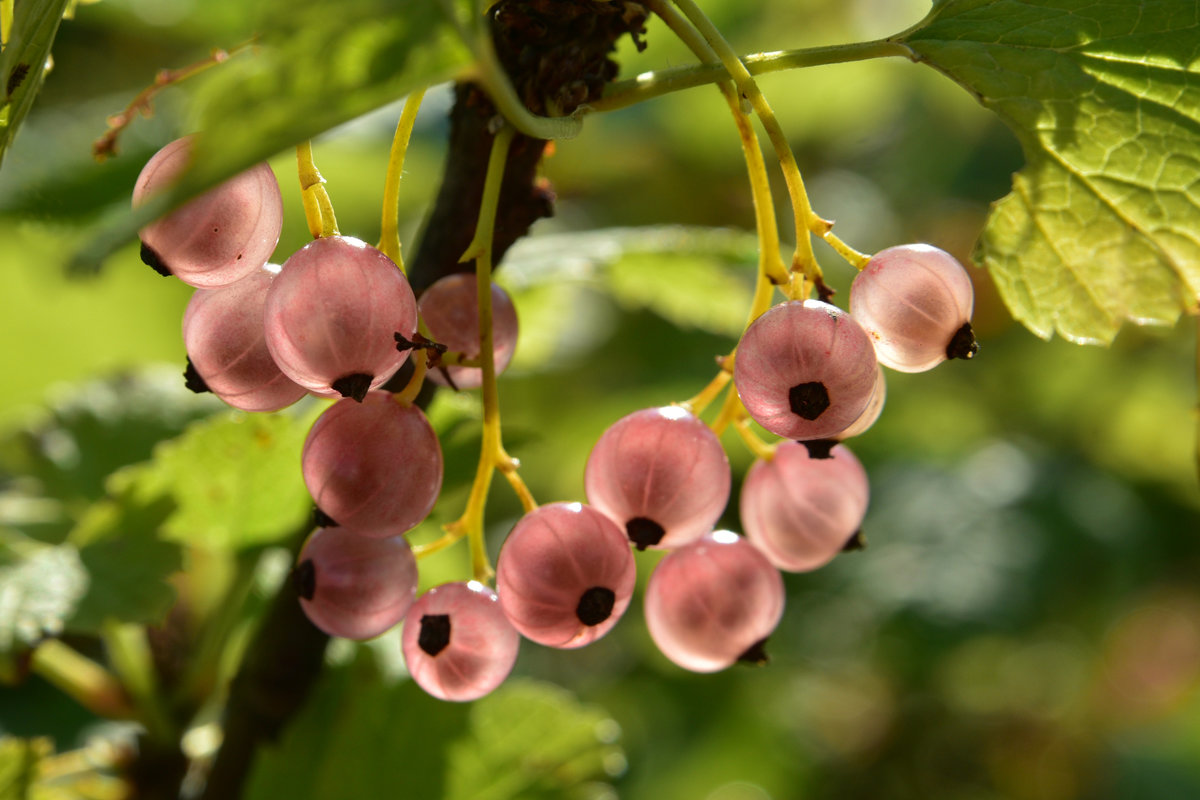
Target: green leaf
<point>1103,223</point>
<point>693,277</point>
<point>65,457</point>
<point>528,740</point>
<point>357,738</point>
<point>113,567</point>
<point>234,478</point>
<point>311,70</point>
<point>23,63</point>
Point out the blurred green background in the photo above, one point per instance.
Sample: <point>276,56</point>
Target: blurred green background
<point>1025,622</point>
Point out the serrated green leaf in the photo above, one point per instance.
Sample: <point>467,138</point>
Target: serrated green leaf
<point>113,567</point>
<point>358,737</point>
<point>23,62</point>
<point>1103,224</point>
<point>530,739</point>
<point>64,458</point>
<point>234,478</point>
<point>310,71</point>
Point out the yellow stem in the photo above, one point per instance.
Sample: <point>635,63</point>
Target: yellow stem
<point>389,237</point>
<point>82,679</point>
<point>408,394</point>
<point>757,446</point>
<point>6,21</point>
<point>318,209</point>
<point>704,398</point>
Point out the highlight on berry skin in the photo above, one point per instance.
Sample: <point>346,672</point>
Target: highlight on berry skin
<point>450,310</point>
<point>661,474</point>
<point>218,237</point>
<point>354,586</point>
<point>714,602</point>
<point>805,370</point>
<point>457,643</point>
<point>332,314</point>
<point>565,575</point>
<point>374,466</point>
<point>223,336</point>
<point>915,301</point>
<point>801,511</point>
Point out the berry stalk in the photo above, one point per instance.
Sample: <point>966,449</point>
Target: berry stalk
<point>318,209</point>
<point>389,236</point>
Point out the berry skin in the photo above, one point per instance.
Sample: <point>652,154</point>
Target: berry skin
<point>915,301</point>
<point>565,575</point>
<point>375,466</point>
<point>801,511</point>
<point>871,413</point>
<point>457,643</point>
<point>661,474</point>
<point>223,335</point>
<point>331,317</point>
<point>805,370</point>
<point>355,587</point>
<point>713,602</point>
<point>217,238</point>
<point>450,311</point>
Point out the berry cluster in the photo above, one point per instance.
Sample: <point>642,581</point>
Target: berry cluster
<point>339,318</point>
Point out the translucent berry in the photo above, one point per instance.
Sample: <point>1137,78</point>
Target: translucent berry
<point>332,314</point>
<point>915,301</point>
<point>565,575</point>
<point>217,238</point>
<point>457,643</point>
<point>661,474</point>
<point>450,311</point>
<point>870,414</point>
<point>805,370</point>
<point>352,586</point>
<point>713,602</point>
<point>374,466</point>
<point>223,334</point>
<point>801,511</point>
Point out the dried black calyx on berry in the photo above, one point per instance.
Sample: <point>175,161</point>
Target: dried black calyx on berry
<point>755,653</point>
<point>353,386</point>
<point>855,542</point>
<point>418,342</point>
<point>962,343</point>
<point>820,448</point>
<point>434,636</point>
<point>644,532</point>
<point>808,400</point>
<point>154,261</point>
<point>322,520</point>
<point>304,578</point>
<point>193,380</point>
<point>595,605</point>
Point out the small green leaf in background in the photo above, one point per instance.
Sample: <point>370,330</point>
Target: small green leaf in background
<point>235,479</point>
<point>1103,223</point>
<point>113,568</point>
<point>531,739</point>
<point>23,62</point>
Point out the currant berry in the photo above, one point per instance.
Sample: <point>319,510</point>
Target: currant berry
<point>223,335</point>
<point>915,301</point>
<point>217,238</point>
<point>805,370</point>
<point>457,643</point>
<point>352,586</point>
<point>801,511</point>
<point>332,313</point>
<point>375,466</point>
<point>661,474</point>
<point>565,575</point>
<point>713,602</point>
<point>450,311</point>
